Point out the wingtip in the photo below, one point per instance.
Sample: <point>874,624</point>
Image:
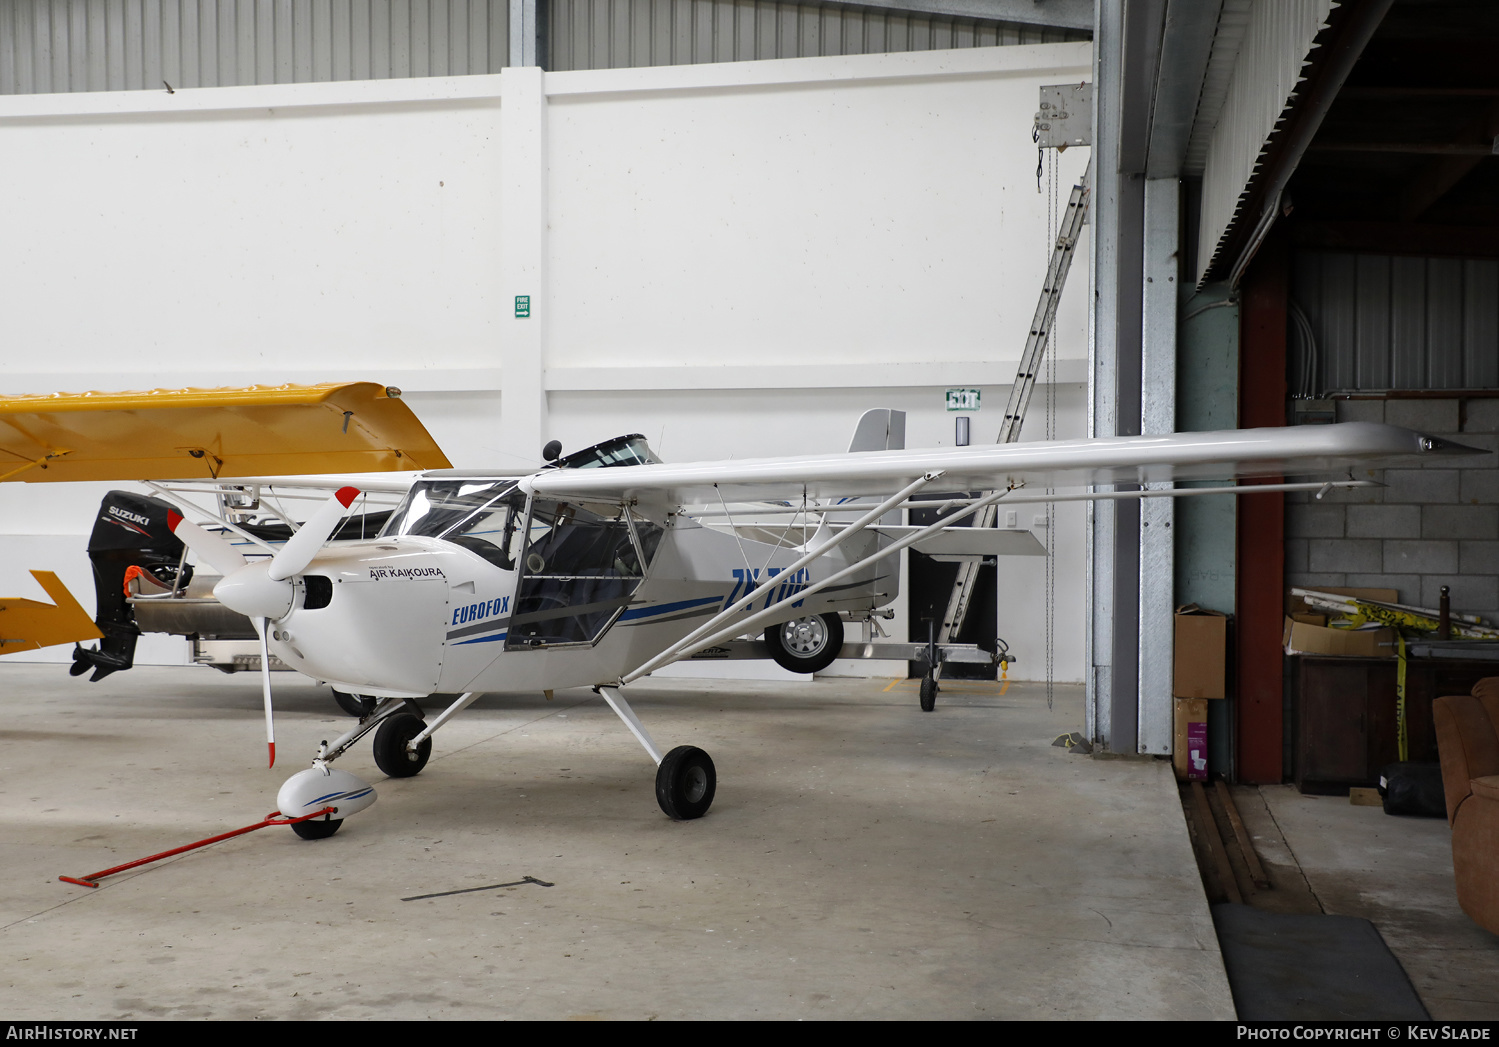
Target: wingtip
<point>1441,445</point>
<point>272,747</point>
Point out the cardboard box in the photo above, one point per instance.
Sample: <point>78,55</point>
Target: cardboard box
<point>1201,663</point>
<point>1300,638</point>
<point>1189,756</point>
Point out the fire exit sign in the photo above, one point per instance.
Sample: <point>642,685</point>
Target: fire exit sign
<point>522,306</point>
<point>962,399</point>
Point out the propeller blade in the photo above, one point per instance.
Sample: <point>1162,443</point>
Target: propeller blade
<point>299,550</point>
<point>265,686</point>
<point>217,552</point>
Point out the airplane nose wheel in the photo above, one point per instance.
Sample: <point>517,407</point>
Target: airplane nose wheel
<point>317,828</point>
<point>391,755</point>
<point>685,783</point>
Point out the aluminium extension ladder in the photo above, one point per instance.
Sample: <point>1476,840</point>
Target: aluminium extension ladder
<point>1020,393</point>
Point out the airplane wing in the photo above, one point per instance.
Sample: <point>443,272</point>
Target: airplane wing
<point>1294,451</point>
<point>26,625</point>
<point>212,434</point>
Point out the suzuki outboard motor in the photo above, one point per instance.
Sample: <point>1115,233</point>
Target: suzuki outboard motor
<point>130,531</point>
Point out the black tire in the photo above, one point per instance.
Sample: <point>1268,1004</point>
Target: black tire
<point>390,746</point>
<point>316,828</point>
<point>685,783</point>
<point>360,705</point>
<point>806,645</point>
<point>928,693</point>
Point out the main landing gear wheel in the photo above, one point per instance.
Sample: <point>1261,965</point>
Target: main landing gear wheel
<point>360,705</point>
<point>685,783</point>
<point>928,693</point>
<point>391,755</point>
<point>806,645</point>
<point>317,828</point>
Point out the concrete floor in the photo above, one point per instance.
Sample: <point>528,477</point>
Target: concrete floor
<point>862,860</point>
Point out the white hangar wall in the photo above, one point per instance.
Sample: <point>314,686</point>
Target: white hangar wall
<point>734,259</point>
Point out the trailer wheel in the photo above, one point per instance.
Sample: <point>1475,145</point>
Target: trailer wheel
<point>928,693</point>
<point>806,645</point>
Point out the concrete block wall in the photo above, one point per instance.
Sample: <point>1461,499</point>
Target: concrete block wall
<point>1429,526</point>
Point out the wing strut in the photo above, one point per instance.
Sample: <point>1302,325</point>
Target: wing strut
<point>1025,384</point>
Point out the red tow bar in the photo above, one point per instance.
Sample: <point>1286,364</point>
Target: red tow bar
<point>274,818</point>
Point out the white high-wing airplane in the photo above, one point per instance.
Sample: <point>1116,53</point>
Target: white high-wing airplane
<point>591,573</point>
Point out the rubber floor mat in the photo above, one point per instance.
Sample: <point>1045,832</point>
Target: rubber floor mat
<point>1284,967</point>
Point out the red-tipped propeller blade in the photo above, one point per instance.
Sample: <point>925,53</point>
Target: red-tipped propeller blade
<point>299,550</point>
<point>217,552</point>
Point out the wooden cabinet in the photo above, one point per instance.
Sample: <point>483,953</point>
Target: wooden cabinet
<point>1344,715</point>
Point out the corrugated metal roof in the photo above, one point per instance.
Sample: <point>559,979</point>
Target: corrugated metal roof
<point>611,34</point>
<point>1232,19</point>
<point>1277,40</point>
<point>130,45</point>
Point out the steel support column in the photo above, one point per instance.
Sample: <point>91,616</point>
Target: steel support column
<point>1120,100</point>
<point>1261,559</point>
<point>528,37</point>
<point>1102,335</point>
<point>1157,515</point>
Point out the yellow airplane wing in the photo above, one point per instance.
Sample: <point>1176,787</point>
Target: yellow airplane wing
<point>26,625</point>
<point>181,434</point>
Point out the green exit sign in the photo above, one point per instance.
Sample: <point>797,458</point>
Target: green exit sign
<point>522,306</point>
<point>962,399</point>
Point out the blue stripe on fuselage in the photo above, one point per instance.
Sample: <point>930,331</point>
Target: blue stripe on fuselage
<point>667,608</point>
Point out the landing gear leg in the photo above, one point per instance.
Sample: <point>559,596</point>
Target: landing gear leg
<point>387,708</point>
<point>685,777</point>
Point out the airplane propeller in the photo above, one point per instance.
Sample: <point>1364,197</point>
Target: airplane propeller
<point>299,550</point>
<point>263,591</point>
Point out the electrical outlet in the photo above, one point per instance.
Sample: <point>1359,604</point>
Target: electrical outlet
<point>1039,521</point>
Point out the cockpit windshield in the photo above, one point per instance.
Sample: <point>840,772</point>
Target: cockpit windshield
<point>480,515</point>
